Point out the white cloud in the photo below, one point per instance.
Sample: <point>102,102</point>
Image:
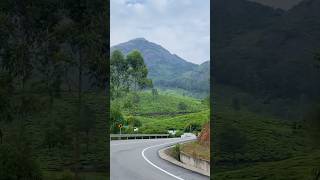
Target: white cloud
<point>181,26</point>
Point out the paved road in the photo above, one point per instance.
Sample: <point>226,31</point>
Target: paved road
<point>139,160</point>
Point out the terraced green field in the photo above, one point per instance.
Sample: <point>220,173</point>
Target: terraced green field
<point>50,134</point>
<point>273,149</point>
<point>160,113</point>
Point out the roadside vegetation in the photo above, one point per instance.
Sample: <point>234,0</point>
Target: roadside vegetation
<point>142,108</point>
<point>53,99</point>
<point>249,139</point>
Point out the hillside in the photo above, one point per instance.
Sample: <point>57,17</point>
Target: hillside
<point>271,52</point>
<point>169,70</point>
<point>196,80</point>
<point>163,112</point>
<point>270,148</point>
<point>50,134</point>
<point>283,4</point>
<point>161,63</point>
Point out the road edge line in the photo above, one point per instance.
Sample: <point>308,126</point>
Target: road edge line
<point>146,159</point>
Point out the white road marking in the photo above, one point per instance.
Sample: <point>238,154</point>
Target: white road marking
<point>146,159</point>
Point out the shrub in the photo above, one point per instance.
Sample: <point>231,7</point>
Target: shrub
<point>182,106</point>
<point>133,121</point>
<point>17,163</point>
<point>176,152</point>
<point>192,127</point>
<point>178,133</point>
<point>67,175</point>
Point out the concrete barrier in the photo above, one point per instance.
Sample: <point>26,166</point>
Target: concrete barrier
<point>195,162</point>
<point>187,165</point>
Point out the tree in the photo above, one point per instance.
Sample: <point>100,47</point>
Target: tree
<point>138,71</point>
<point>87,122</point>
<point>312,123</point>
<point>119,74</point>
<point>128,74</point>
<point>192,127</point>
<point>154,93</point>
<point>133,121</point>
<point>231,140</point>
<point>6,109</point>
<point>182,106</point>
<point>1,135</point>
<point>235,104</point>
<point>18,163</point>
<point>116,118</point>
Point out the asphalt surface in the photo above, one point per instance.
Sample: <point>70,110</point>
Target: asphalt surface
<point>139,160</point>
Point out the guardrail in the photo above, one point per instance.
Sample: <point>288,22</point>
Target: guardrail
<point>137,136</point>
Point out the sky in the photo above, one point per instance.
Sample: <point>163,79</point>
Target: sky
<point>180,26</point>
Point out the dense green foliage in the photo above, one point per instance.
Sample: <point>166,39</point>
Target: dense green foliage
<point>246,143</point>
<point>254,50</point>
<point>160,113</point>
<point>127,73</point>
<point>53,74</point>
<point>16,163</point>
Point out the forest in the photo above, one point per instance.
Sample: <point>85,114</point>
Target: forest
<point>141,107</point>
<point>266,91</point>
<point>53,89</point>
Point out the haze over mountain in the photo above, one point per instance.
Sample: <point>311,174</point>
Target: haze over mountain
<point>168,70</point>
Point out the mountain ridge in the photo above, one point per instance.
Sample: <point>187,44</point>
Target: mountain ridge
<point>277,58</point>
<point>167,70</point>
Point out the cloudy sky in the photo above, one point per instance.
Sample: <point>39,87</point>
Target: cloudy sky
<point>181,26</point>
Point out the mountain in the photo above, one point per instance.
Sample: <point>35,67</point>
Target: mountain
<point>273,58</point>
<point>197,79</point>
<point>162,65</point>
<point>283,4</point>
<point>168,70</point>
<point>231,18</point>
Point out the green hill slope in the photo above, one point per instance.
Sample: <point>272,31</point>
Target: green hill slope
<point>273,148</point>
<point>167,110</point>
<point>50,134</point>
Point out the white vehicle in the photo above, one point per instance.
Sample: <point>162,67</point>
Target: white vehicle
<point>188,135</point>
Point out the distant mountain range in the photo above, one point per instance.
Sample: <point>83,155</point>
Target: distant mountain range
<point>283,4</point>
<point>267,51</point>
<point>168,70</point>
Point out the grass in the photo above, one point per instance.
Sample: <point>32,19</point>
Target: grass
<point>59,157</point>
<point>160,113</point>
<point>295,168</point>
<point>274,149</point>
<point>164,102</point>
<point>178,122</point>
<point>57,175</point>
<point>196,150</point>
<point>268,139</point>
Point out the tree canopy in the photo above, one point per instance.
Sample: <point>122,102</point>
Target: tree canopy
<point>128,73</point>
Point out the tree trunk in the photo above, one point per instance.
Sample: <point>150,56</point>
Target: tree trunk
<point>77,143</point>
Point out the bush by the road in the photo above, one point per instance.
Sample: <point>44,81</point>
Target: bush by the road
<point>18,164</point>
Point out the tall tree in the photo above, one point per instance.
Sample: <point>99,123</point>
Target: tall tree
<point>128,73</point>
<point>119,74</point>
<point>138,71</point>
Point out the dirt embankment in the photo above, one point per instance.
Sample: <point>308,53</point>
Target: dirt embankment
<point>204,136</point>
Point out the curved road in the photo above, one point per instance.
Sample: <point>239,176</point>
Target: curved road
<point>139,160</point>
